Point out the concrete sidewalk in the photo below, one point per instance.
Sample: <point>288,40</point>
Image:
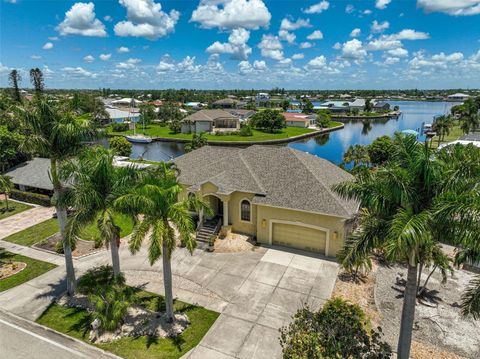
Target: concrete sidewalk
<point>25,219</point>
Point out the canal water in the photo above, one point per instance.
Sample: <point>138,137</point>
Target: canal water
<point>331,146</point>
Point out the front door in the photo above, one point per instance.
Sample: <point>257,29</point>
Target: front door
<point>219,207</point>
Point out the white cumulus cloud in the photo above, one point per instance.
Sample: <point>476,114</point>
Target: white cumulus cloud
<point>81,20</point>
<point>379,26</point>
<point>398,52</point>
<point>382,4</point>
<point>145,18</point>
<point>236,46</point>
<point>451,7</point>
<point>305,45</point>
<point>47,46</point>
<point>129,64</point>
<point>79,72</point>
<point>287,36</point>
<point>316,35</point>
<point>289,25</point>
<point>271,47</point>
<point>105,57</point>
<point>89,58</point>
<point>353,49</point>
<point>231,14</point>
<point>123,50</point>
<point>355,32</point>
<point>298,56</point>
<point>317,8</point>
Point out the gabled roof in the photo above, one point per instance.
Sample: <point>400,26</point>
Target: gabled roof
<point>33,173</point>
<point>279,176</point>
<point>209,115</point>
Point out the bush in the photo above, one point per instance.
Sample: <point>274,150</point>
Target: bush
<point>339,330</point>
<point>98,277</point>
<point>381,150</point>
<point>245,131</point>
<point>120,146</point>
<point>31,197</point>
<point>120,127</point>
<point>110,305</point>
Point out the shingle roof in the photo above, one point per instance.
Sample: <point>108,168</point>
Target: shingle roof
<point>279,176</point>
<point>33,173</point>
<point>208,115</point>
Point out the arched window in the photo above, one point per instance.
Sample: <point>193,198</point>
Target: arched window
<point>245,210</point>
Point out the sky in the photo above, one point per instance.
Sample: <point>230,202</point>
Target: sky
<point>248,44</point>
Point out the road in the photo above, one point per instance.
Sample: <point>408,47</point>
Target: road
<point>23,339</point>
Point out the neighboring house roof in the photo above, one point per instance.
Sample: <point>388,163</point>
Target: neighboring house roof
<point>299,117</point>
<point>114,113</point>
<point>279,176</point>
<point>459,94</point>
<point>226,102</point>
<point>471,137</point>
<point>34,173</point>
<point>209,115</point>
<point>359,102</point>
<point>241,112</point>
<point>126,101</point>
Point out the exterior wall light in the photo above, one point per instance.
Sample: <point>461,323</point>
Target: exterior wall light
<point>264,223</point>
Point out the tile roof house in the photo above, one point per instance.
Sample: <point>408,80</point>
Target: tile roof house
<point>210,121</point>
<point>32,174</point>
<point>279,195</point>
<point>293,119</point>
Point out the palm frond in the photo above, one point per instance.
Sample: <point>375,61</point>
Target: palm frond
<point>471,299</point>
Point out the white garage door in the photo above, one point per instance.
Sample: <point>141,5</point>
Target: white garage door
<point>300,237</point>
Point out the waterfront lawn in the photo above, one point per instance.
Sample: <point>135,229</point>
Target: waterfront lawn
<point>75,322</point>
<point>455,133</point>
<point>19,207</point>
<point>155,130</point>
<point>33,269</point>
<point>43,230</point>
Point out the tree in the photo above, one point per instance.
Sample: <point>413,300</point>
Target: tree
<point>121,146</point>
<point>169,112</point>
<point>9,148</point>
<point>323,118</point>
<point>307,106</point>
<point>338,330</point>
<point>155,198</point>
<point>84,103</point>
<point>285,105</point>
<point>368,105</point>
<point>381,150</point>
<point>357,154</point>
<point>96,184</point>
<point>268,120</point>
<point>6,186</point>
<point>147,113</point>
<point>36,78</point>
<point>14,79</point>
<point>471,300</point>
<point>468,115</point>
<point>198,140</point>
<point>57,134</point>
<point>404,207</point>
<point>441,125</point>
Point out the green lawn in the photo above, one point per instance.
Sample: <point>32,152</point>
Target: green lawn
<point>145,161</point>
<point>43,230</point>
<point>34,269</point>
<point>74,322</point>
<point>455,133</point>
<point>155,130</point>
<point>19,207</point>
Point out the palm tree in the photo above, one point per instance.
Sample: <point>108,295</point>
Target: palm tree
<point>399,202</point>
<point>57,134</point>
<point>6,186</point>
<point>441,126</point>
<point>357,154</point>
<point>14,79</point>
<point>96,184</point>
<point>155,201</point>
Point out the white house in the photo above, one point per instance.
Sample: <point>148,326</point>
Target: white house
<point>118,116</point>
<point>458,97</point>
<point>302,120</point>
<point>261,98</point>
<point>126,101</point>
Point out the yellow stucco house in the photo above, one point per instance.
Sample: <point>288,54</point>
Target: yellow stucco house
<point>279,195</point>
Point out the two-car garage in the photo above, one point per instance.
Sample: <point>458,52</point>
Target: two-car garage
<point>299,236</point>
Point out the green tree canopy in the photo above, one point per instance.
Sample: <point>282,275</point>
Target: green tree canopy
<point>381,150</point>
<point>268,120</point>
<point>120,146</point>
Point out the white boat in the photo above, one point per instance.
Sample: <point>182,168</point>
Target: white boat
<point>138,138</point>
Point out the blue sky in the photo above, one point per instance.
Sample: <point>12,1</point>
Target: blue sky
<point>214,44</point>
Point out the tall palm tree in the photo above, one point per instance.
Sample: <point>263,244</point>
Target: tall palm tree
<point>56,134</point>
<point>399,202</point>
<point>6,186</point>
<point>155,201</point>
<point>441,126</point>
<point>357,154</point>
<point>96,184</point>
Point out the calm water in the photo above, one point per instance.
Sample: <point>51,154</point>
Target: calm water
<point>334,145</point>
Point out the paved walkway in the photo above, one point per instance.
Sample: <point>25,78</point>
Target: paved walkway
<point>25,219</point>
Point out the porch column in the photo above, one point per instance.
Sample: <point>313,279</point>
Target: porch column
<point>225,213</point>
<point>200,217</point>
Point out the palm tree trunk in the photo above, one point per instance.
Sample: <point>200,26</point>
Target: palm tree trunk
<point>420,270</point>
<point>114,244</point>
<point>167,282</point>
<point>426,280</point>
<point>62,222</point>
<point>408,313</point>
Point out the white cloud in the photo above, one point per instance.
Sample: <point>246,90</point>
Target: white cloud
<point>105,57</point>
<point>80,20</point>
<point>188,65</point>
<point>355,32</point>
<point>409,34</point>
<point>245,68</point>
<point>383,44</point>
<point>259,65</point>
<point>79,72</point>
<point>47,46</point>
<point>271,47</point>
<point>231,14</point>
<point>318,62</point>
<point>287,36</point>
<point>145,18</point>
<point>337,46</point>
<point>129,64</point>
<point>89,58</point>
<point>316,35</point>
<point>451,7</point>
<point>236,45</point>
<point>440,60</point>
<point>107,18</point>
<point>305,45</point>
<point>288,25</point>
<point>454,57</point>
<point>367,12</point>
<point>317,8</point>
<point>353,49</point>
<point>398,52</point>
<point>165,66</point>
<point>298,56</point>
<point>349,8</point>
<point>382,4</point>
<point>35,57</point>
<point>391,60</point>
<point>379,27</point>
<point>123,50</point>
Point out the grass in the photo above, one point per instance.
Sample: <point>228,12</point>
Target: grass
<point>75,322</point>
<point>19,207</point>
<point>43,230</point>
<point>145,161</point>
<point>455,133</point>
<point>155,130</point>
<point>33,269</point>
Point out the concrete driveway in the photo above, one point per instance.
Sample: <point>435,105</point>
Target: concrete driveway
<point>256,293</point>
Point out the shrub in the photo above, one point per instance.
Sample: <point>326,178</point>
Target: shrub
<point>110,305</point>
<point>339,330</point>
<point>98,277</point>
<point>120,146</point>
<point>381,150</point>
<point>120,127</point>
<point>31,197</point>
<point>245,131</point>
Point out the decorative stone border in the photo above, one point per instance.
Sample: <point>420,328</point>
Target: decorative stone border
<point>12,274</point>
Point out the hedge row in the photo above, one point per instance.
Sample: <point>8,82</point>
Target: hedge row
<point>30,197</point>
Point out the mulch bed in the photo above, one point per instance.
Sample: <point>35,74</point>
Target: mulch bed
<point>7,269</point>
<point>82,248</point>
